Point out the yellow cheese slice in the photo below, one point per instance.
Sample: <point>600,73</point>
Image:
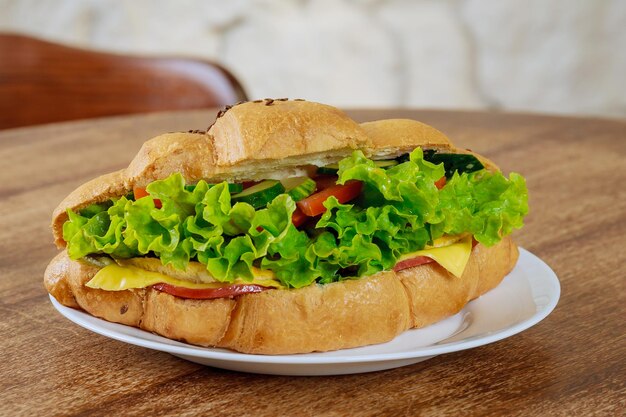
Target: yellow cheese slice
<point>454,257</point>
<point>114,277</point>
<point>119,278</point>
<point>446,240</point>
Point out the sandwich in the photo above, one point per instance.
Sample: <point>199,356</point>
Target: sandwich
<point>286,227</point>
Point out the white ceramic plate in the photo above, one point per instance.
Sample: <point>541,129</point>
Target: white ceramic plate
<point>524,298</point>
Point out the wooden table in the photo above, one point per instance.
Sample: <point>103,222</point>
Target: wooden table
<point>574,362</point>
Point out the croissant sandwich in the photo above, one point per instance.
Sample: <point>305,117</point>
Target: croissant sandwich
<point>285,228</point>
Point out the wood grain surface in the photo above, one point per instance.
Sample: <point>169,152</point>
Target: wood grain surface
<point>572,363</point>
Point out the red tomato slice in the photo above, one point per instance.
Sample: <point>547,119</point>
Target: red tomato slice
<point>313,205</point>
<point>410,263</point>
<point>141,192</point>
<point>325,181</point>
<point>440,182</point>
<point>228,291</point>
<point>298,217</point>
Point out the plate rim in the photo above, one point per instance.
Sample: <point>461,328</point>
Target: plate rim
<point>89,322</point>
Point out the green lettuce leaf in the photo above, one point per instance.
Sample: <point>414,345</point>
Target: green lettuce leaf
<point>487,205</point>
<point>399,211</point>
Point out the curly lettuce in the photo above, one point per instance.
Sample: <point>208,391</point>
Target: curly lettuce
<point>399,211</point>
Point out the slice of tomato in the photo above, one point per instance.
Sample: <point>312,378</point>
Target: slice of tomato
<point>440,182</point>
<point>298,217</point>
<point>227,291</point>
<point>313,205</point>
<point>324,181</point>
<point>410,263</point>
<point>141,192</point>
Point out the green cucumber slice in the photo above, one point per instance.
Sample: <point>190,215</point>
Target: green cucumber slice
<point>233,188</point>
<point>453,162</point>
<point>299,187</point>
<point>261,194</point>
<point>328,169</point>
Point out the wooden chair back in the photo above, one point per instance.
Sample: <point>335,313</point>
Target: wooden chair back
<point>43,82</point>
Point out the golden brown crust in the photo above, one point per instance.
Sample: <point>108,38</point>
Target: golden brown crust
<point>340,315</point>
<point>56,280</point>
<point>395,137</point>
<point>320,317</point>
<point>190,154</point>
<point>256,131</point>
<point>201,322</point>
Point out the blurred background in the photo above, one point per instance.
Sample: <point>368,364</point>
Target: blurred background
<point>555,56</point>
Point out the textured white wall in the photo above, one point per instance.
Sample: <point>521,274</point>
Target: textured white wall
<point>562,56</point>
